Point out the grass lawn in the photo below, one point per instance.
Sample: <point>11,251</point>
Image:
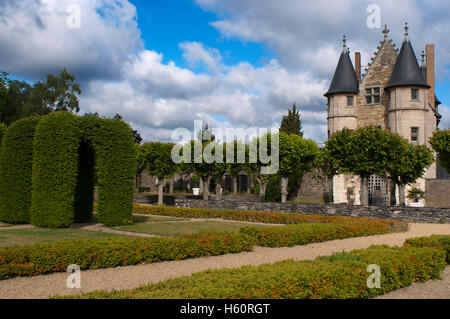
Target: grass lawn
<point>20,237</point>
<point>4,225</point>
<point>156,219</point>
<point>181,228</point>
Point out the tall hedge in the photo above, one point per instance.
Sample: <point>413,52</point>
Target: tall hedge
<point>115,166</point>
<point>55,170</point>
<point>15,171</point>
<point>3,128</point>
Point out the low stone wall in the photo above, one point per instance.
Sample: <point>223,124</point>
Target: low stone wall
<point>410,214</point>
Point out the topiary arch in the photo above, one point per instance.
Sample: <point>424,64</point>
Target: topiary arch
<point>70,154</point>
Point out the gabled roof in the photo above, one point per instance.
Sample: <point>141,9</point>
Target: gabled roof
<point>406,70</point>
<point>345,79</point>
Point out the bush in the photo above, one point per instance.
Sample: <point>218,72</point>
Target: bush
<point>441,242</point>
<point>342,276</point>
<point>15,171</point>
<point>3,128</point>
<point>293,235</point>
<point>273,189</point>
<point>55,170</point>
<point>113,252</point>
<point>255,216</point>
<point>115,167</point>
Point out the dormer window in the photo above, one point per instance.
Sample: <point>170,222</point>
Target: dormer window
<point>415,94</point>
<point>350,101</point>
<point>373,96</point>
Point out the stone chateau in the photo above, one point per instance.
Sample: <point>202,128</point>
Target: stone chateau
<point>395,93</point>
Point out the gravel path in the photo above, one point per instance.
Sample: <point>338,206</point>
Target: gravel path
<point>135,276</point>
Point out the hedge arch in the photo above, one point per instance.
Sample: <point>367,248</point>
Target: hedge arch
<point>16,170</point>
<point>72,153</point>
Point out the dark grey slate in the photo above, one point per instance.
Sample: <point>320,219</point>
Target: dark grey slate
<point>345,79</point>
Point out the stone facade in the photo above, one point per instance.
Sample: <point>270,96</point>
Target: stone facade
<point>410,214</point>
<point>438,191</point>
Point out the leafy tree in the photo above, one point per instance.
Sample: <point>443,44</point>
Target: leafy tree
<point>296,155</point>
<point>159,163</point>
<point>405,164</point>
<point>235,168</point>
<point>441,144</point>
<point>327,168</point>
<point>291,123</point>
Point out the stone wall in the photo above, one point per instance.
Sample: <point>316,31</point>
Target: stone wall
<point>311,187</point>
<point>410,214</point>
<point>438,192</point>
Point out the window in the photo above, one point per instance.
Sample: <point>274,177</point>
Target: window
<point>350,100</point>
<point>415,94</point>
<point>415,135</point>
<point>373,95</point>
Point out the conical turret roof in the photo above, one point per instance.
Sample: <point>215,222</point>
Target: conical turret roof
<point>345,79</point>
<point>406,70</point>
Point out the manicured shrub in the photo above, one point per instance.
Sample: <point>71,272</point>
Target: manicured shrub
<point>3,128</point>
<point>255,216</point>
<point>342,276</point>
<point>115,167</point>
<point>441,242</point>
<point>55,170</point>
<point>293,235</point>
<point>113,252</point>
<point>15,171</point>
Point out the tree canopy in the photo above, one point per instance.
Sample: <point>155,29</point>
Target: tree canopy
<point>441,144</point>
<point>291,123</point>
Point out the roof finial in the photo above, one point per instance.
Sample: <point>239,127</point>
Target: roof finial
<point>406,31</point>
<point>423,58</point>
<point>386,32</point>
<point>344,47</point>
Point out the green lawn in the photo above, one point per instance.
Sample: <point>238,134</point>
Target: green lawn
<point>181,228</point>
<point>156,219</point>
<point>4,225</point>
<point>20,237</point>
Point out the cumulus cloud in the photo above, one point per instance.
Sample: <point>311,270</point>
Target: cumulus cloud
<point>119,75</point>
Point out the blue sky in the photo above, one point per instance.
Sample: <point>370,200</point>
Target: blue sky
<point>232,63</point>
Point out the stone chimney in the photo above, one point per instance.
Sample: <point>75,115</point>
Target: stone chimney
<point>358,65</point>
<point>430,74</point>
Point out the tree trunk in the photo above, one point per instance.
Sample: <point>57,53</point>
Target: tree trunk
<point>364,196</point>
<point>171,185</point>
<point>262,192</point>
<point>250,184</point>
<point>392,193</point>
<point>219,189</point>
<point>201,185</point>
<point>206,188</point>
<point>402,195</point>
<point>327,193</point>
<point>161,193</point>
<point>284,189</point>
<point>235,184</point>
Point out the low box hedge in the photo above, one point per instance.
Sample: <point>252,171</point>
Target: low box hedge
<point>250,216</point>
<point>342,276</point>
<point>441,242</point>
<point>292,235</point>
<point>45,258</point>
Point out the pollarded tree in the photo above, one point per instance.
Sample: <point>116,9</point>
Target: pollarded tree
<point>441,144</point>
<point>235,151</point>
<point>159,163</point>
<point>328,168</point>
<point>296,155</point>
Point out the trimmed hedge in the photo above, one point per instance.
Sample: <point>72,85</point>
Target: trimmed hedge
<point>55,170</point>
<point>3,129</point>
<point>16,170</point>
<point>115,167</point>
<point>441,242</point>
<point>254,216</point>
<point>293,235</point>
<point>342,276</point>
<point>113,252</point>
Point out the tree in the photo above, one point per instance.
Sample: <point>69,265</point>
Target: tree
<point>136,136</point>
<point>291,123</point>
<point>328,168</point>
<point>296,155</point>
<point>441,144</point>
<point>233,151</point>
<point>405,164</point>
<point>159,163</point>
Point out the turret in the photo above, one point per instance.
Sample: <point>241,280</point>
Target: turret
<point>342,94</point>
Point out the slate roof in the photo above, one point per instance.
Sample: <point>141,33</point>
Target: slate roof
<point>345,79</point>
<point>406,70</point>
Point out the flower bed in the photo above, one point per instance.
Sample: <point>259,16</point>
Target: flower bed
<point>441,242</point>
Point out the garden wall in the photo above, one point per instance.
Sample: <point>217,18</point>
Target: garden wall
<point>411,214</point>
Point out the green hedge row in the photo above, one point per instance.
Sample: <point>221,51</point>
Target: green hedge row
<point>254,216</point>
<point>441,242</point>
<point>15,170</point>
<point>3,129</point>
<point>342,276</point>
<point>55,170</point>
<point>113,252</point>
<point>293,235</point>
